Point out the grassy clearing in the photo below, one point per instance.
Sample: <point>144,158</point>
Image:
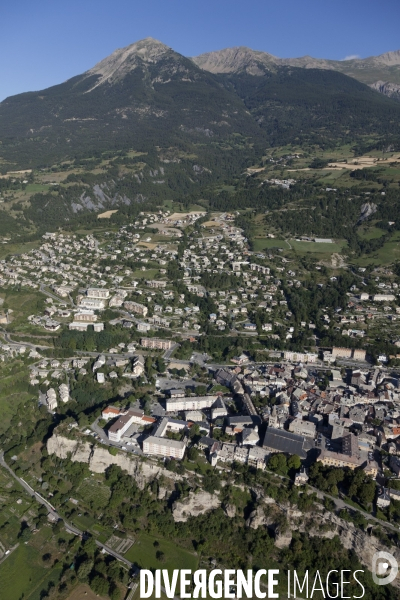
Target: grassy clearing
<point>370,233</point>
<point>149,274</point>
<point>90,489</point>
<point>143,553</point>
<point>389,253</point>
<point>317,248</point>
<point>260,244</point>
<point>8,249</point>
<point>52,577</point>
<point>21,573</point>
<point>83,592</point>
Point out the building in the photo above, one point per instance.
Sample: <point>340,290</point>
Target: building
<point>279,440</point>
<point>78,326</point>
<point>236,425</point>
<point>301,477</point>
<point>250,436</point>
<point>303,428</point>
<point>342,352</point>
<point>93,303</point>
<point>338,459</point>
<point>159,446</point>
<point>110,412</point>
<point>87,316</point>
<point>354,353</point>
<point>194,403</point>
<point>51,399</point>
<point>156,343</point>
<point>218,409</point>
<point>394,464</point>
<point>97,293</point>
<point>383,498</point>
<point>304,357</point>
<point>179,393</point>
<point>117,429</point>
<point>154,283</point>
<point>383,298</point>
<point>137,308</point>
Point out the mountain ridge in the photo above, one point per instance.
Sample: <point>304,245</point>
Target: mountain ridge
<point>147,95</point>
<point>238,59</point>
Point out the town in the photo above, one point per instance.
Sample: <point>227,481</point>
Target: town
<point>159,293</point>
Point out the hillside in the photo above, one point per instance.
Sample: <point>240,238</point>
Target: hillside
<point>146,96</point>
<point>146,126</point>
<point>142,96</point>
<point>383,69</point>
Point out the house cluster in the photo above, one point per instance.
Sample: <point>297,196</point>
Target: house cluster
<point>284,410</point>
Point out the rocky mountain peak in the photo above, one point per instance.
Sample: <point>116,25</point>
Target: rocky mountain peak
<point>124,60</point>
<point>236,59</point>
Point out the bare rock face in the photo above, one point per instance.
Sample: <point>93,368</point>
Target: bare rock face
<point>282,537</point>
<point>258,519</point>
<point>162,492</point>
<point>99,459</point>
<point>367,209</point>
<point>64,448</point>
<point>195,504</point>
<point>230,510</point>
<point>387,88</point>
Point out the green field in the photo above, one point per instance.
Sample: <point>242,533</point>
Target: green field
<point>143,553</point>
<point>8,249</point>
<point>35,188</point>
<point>260,244</point>
<point>389,253</point>
<point>91,489</point>
<point>317,248</point>
<point>21,573</point>
<point>149,274</point>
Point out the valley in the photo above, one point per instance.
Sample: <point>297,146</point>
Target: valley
<point>199,321</point>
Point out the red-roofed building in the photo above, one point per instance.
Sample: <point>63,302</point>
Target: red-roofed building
<point>110,412</point>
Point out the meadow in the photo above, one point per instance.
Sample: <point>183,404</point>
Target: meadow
<point>143,553</point>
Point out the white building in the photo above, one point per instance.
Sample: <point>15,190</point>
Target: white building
<point>195,403</point>
<point>160,446</point>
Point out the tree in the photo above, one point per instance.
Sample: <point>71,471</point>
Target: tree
<point>367,492</point>
<point>99,585</point>
<point>114,592</point>
<point>294,462</point>
<point>84,569</point>
<point>160,364</point>
<point>160,556</point>
<point>192,453</point>
<point>277,462</point>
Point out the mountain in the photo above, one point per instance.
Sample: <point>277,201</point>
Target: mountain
<point>142,96</point>
<point>372,70</point>
<point>152,99</point>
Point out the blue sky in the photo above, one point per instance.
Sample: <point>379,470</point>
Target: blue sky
<point>47,41</point>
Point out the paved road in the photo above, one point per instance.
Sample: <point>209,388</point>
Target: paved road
<point>70,527</point>
<point>51,295</point>
<point>8,339</point>
<point>342,504</point>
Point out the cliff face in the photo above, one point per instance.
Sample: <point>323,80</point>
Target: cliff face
<point>268,513</point>
<point>195,504</point>
<point>388,89</point>
<point>99,459</point>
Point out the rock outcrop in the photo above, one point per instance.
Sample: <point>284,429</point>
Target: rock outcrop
<point>195,504</point>
<point>99,459</point>
<point>367,209</point>
<point>387,88</point>
<point>230,510</point>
